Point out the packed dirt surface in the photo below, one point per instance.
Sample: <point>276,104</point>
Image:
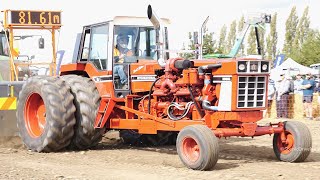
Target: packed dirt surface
<point>239,158</point>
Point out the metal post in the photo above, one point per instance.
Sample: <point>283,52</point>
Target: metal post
<point>53,64</point>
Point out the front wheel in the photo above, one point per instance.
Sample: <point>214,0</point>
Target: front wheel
<point>294,144</point>
<point>198,147</point>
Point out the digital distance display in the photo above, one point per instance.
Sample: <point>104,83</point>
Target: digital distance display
<point>35,17</point>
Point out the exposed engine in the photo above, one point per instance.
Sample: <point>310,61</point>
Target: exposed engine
<point>178,92</point>
<point>188,91</point>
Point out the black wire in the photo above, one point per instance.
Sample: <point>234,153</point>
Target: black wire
<point>149,102</point>
<point>195,103</point>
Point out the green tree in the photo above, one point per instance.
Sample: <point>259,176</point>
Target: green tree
<point>231,36</point>
<point>252,42</point>
<point>208,43</point>
<point>291,29</point>
<point>272,38</point>
<point>191,46</point>
<point>240,28</point>
<point>302,33</point>
<point>310,50</point>
<point>222,40</point>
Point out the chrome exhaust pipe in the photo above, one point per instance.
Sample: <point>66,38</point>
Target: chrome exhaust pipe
<point>160,39</point>
<point>155,20</point>
<point>202,30</point>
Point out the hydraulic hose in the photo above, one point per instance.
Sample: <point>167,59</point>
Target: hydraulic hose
<point>149,101</point>
<point>176,105</point>
<point>195,103</point>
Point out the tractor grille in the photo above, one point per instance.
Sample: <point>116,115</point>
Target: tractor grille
<point>251,92</point>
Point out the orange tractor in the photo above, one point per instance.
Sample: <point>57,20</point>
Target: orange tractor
<point>191,102</point>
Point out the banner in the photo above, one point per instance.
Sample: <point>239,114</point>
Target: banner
<point>279,60</point>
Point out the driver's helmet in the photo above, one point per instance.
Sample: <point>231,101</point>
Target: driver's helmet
<point>122,40</point>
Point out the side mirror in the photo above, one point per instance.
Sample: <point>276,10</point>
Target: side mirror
<point>41,43</point>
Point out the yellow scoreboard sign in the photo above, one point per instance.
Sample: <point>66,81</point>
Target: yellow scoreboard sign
<point>8,103</point>
<point>33,18</point>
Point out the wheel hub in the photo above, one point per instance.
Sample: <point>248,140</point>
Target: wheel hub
<point>35,115</point>
<point>285,145</point>
<point>191,149</point>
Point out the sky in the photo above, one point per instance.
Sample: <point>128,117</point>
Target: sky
<point>185,16</point>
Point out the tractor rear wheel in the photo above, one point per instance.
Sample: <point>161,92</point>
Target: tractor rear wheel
<point>294,144</point>
<point>45,114</point>
<point>87,101</point>
<point>197,147</point>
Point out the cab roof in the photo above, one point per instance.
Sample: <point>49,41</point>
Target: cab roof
<point>132,21</point>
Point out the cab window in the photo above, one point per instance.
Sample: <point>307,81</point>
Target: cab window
<point>98,50</point>
<point>142,41</point>
<point>4,49</point>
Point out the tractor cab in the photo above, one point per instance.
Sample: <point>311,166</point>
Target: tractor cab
<point>113,47</point>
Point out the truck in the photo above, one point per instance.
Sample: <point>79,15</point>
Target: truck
<point>199,100</point>
<point>23,53</point>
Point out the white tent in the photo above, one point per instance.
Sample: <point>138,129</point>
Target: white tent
<point>290,67</point>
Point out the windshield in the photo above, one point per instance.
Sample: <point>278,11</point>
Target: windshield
<point>140,40</point>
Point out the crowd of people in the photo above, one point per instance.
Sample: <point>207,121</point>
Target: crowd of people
<point>301,84</point>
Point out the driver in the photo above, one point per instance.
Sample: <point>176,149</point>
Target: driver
<point>120,52</point>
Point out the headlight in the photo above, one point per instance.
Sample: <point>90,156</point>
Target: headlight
<point>242,66</point>
<point>264,66</point>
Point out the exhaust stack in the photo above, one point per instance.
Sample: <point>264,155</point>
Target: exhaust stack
<point>160,39</point>
<point>155,20</point>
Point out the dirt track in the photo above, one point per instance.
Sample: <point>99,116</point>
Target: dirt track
<point>240,158</point>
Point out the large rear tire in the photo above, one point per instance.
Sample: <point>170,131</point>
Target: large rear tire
<point>87,101</point>
<point>45,114</point>
<point>297,144</point>
<point>198,147</point>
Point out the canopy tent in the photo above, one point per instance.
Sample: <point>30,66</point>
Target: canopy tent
<point>290,67</point>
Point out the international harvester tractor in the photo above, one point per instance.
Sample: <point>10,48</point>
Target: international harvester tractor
<point>191,103</point>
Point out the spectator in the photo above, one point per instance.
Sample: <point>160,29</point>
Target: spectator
<point>283,97</point>
<point>318,90</point>
<point>308,86</point>
<point>271,95</point>
<point>297,84</point>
